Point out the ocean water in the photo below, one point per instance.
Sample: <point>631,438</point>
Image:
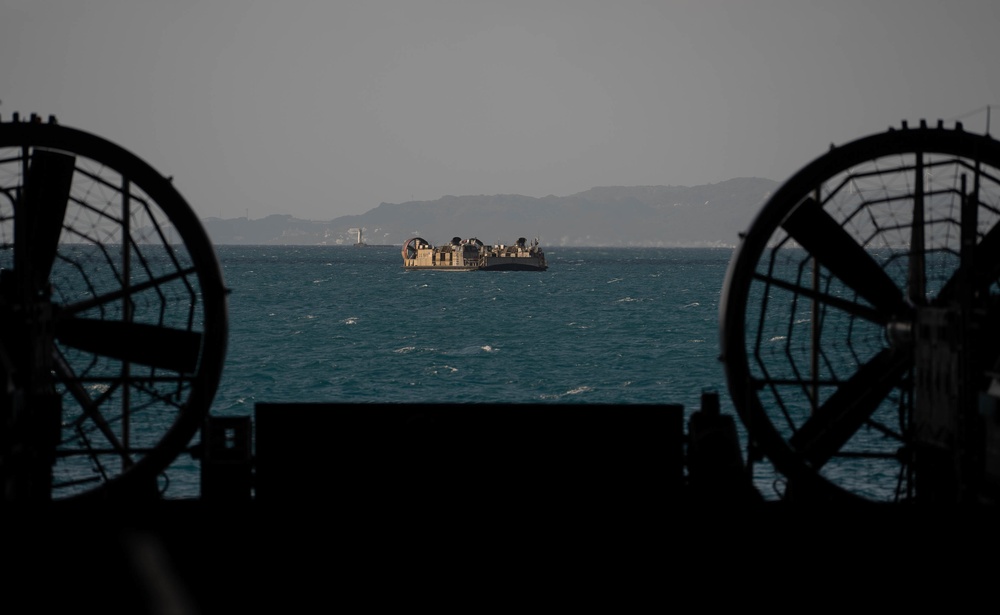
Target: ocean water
<point>349,324</point>
<point>346,324</point>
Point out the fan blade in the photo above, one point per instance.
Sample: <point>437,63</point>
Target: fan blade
<point>986,259</point>
<point>824,239</point>
<point>41,212</point>
<point>840,417</point>
<point>987,267</point>
<point>162,347</point>
<point>90,410</point>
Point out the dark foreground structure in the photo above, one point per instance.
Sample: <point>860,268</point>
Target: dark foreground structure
<point>859,327</point>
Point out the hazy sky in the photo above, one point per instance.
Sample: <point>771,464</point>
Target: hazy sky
<point>330,107</point>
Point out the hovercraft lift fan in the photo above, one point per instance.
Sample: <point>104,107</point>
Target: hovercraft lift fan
<point>113,317</point>
<point>860,327</point>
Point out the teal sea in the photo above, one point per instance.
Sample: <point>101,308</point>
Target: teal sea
<point>347,324</point>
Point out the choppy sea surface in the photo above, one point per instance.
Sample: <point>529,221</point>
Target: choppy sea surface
<point>349,324</point>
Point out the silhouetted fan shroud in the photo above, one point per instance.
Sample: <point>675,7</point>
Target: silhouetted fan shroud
<point>113,301</point>
<point>822,297</point>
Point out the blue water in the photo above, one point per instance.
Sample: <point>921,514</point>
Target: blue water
<point>349,324</point>
<point>346,324</point>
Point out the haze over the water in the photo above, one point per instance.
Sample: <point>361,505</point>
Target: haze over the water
<point>320,109</point>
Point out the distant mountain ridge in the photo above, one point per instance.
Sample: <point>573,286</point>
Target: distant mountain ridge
<point>667,216</point>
